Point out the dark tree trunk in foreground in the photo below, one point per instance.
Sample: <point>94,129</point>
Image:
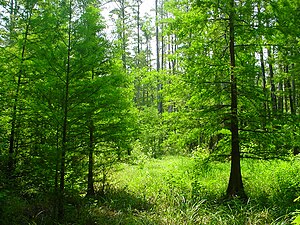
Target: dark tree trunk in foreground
<point>235,185</point>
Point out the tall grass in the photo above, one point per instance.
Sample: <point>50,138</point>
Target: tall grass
<point>176,190</point>
<point>182,190</point>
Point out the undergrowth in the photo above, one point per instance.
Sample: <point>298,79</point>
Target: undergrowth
<point>174,190</point>
<point>183,190</point>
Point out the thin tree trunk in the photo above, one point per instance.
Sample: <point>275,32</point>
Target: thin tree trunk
<point>290,94</point>
<point>90,189</point>
<point>12,14</point>
<point>65,123</point>
<point>286,101</point>
<point>280,98</point>
<point>12,136</point>
<point>157,36</point>
<point>266,110</point>
<point>235,185</point>
<point>138,32</point>
<point>148,53</point>
<point>294,96</point>
<point>263,75</point>
<point>56,191</point>
<point>124,58</point>
<point>158,65</point>
<point>273,95</point>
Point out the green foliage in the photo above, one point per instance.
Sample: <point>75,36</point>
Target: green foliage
<point>64,93</point>
<point>68,95</point>
<point>297,218</point>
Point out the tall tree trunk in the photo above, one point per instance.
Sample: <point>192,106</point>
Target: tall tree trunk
<point>123,35</point>
<point>294,96</point>
<point>56,191</point>
<point>65,122</point>
<point>263,75</point>
<point>148,53</point>
<point>272,83</point>
<point>90,188</point>
<point>138,32</point>
<point>157,36</point>
<point>286,101</point>
<point>12,136</point>
<point>158,65</point>
<point>280,98</point>
<point>12,15</point>
<point>235,185</point>
<point>290,94</point>
<point>10,163</point>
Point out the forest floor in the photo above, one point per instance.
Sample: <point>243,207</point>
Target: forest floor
<point>183,190</point>
<point>177,190</point>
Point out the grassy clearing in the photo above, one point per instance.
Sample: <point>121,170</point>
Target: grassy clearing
<point>181,190</point>
<point>175,190</point>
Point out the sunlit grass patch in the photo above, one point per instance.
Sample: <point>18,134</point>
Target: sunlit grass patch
<point>183,190</point>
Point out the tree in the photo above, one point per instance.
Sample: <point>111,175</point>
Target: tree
<point>235,186</point>
<point>15,42</point>
<point>83,84</point>
<point>123,29</point>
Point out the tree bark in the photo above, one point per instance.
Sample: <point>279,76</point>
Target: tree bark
<point>235,185</point>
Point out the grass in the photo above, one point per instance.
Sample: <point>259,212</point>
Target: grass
<point>178,190</point>
<point>182,190</point>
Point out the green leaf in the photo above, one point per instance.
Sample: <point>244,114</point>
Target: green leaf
<point>296,220</point>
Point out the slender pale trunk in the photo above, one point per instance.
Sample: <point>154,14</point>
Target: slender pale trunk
<point>158,65</point>
<point>157,36</point>
<point>148,53</point>
<point>272,83</point>
<point>123,35</point>
<point>138,30</point>
<point>235,185</point>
